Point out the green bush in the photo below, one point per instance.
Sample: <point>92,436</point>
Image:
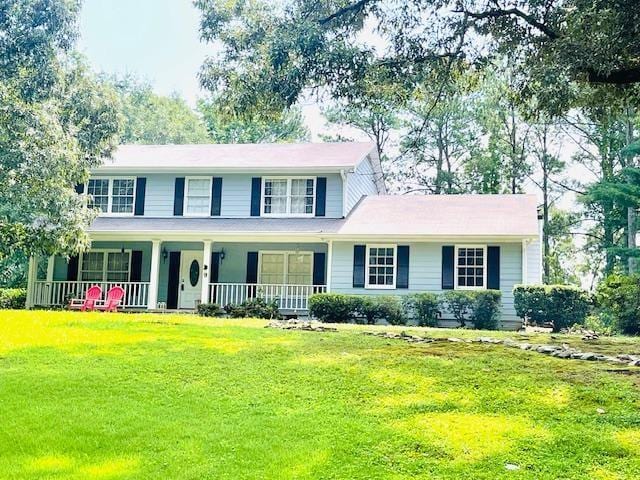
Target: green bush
<point>485,311</point>
<point>383,308</point>
<point>13,298</point>
<point>254,308</point>
<point>459,303</point>
<point>210,310</point>
<point>620,296</point>
<point>334,307</point>
<point>424,308</point>
<point>557,305</point>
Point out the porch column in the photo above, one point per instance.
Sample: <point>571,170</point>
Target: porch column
<point>32,273</point>
<point>329,263</point>
<point>152,302</point>
<point>206,274</point>
<point>50,267</point>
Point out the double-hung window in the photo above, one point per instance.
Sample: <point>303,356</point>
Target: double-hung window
<point>471,270</point>
<point>288,196</point>
<point>110,266</point>
<point>381,266</point>
<point>115,196</point>
<point>286,268</point>
<point>197,196</point>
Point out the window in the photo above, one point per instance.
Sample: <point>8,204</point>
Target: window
<point>113,196</point>
<point>381,266</point>
<point>197,195</point>
<point>286,268</point>
<point>470,267</point>
<point>107,266</point>
<point>288,196</point>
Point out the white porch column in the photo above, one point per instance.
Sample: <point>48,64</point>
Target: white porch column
<point>329,264</point>
<point>50,267</point>
<point>206,271</point>
<point>32,273</point>
<point>152,302</point>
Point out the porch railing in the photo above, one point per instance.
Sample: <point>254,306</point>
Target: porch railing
<point>289,297</point>
<point>58,293</point>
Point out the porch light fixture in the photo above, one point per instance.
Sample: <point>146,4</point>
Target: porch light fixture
<point>222,254</point>
<point>165,254</point>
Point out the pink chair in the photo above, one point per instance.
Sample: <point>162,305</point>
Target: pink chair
<point>114,298</point>
<point>93,294</point>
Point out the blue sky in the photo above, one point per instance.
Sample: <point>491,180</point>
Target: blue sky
<point>157,40</point>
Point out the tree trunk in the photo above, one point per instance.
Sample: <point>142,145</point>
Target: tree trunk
<point>632,231</point>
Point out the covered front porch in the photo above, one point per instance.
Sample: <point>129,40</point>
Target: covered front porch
<point>162,275</point>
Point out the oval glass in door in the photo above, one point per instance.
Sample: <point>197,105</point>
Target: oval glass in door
<point>194,273</point>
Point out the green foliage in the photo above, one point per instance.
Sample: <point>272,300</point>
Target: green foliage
<point>619,295</point>
<point>209,310</point>
<point>254,308</point>
<point>485,311</point>
<point>13,270</point>
<point>459,303</point>
<point>560,306</point>
<point>13,298</point>
<point>334,307</point>
<point>424,308</point>
<point>601,322</point>
<point>383,308</point>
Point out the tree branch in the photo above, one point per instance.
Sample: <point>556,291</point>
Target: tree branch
<point>499,12</point>
<point>353,8</point>
<point>617,77</point>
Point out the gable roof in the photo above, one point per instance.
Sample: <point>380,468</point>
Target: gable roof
<point>444,215</point>
<point>312,157</point>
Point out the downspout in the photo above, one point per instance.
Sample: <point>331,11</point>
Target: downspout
<point>343,175</point>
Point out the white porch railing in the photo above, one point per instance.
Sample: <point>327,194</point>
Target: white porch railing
<point>289,297</point>
<point>58,293</point>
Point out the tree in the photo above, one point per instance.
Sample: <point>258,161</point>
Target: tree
<point>56,121</point>
<point>224,127</point>
<point>150,118</point>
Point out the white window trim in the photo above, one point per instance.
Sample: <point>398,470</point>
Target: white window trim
<point>286,254</point>
<point>368,247</point>
<point>106,251</point>
<point>287,213</point>
<point>185,203</point>
<point>110,179</point>
<point>484,268</point>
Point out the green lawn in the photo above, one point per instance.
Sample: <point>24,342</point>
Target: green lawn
<point>150,396</point>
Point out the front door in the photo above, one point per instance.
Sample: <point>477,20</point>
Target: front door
<point>190,278</point>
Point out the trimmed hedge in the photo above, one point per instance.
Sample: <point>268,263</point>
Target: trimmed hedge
<point>334,307</point>
<point>481,307</point>
<point>210,310</point>
<point>557,305</point>
<point>424,308</point>
<point>619,296</point>
<point>384,307</point>
<point>13,298</point>
<point>254,308</point>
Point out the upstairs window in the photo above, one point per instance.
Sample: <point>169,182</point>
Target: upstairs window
<point>110,266</point>
<point>288,196</point>
<point>470,267</point>
<point>112,195</point>
<point>197,196</point>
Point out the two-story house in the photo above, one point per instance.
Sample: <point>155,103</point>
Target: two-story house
<point>183,224</point>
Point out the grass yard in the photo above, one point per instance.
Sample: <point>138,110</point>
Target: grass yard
<point>149,396</point>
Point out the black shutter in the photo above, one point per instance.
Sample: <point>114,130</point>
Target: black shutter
<point>216,196</point>
<point>359,253</point>
<point>256,192</point>
<point>136,266</point>
<point>252,267</point>
<point>178,197</point>
<point>72,268</point>
<point>80,188</point>
<point>319,260</point>
<point>402,276</point>
<point>321,196</point>
<point>141,188</point>
<point>447,267</point>
<point>493,268</point>
<point>215,267</point>
<point>174,280</point>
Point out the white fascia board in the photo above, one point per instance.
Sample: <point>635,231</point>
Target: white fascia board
<point>187,170</point>
<point>430,238</point>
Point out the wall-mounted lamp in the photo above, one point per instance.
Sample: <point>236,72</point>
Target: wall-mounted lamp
<point>222,255</point>
<point>165,254</point>
<point>122,249</point>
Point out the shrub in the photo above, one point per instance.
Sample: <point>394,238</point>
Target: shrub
<point>557,305</point>
<point>383,308</point>
<point>620,296</point>
<point>254,308</point>
<point>423,308</point>
<point>602,322</point>
<point>459,303</point>
<point>13,298</point>
<point>334,307</point>
<point>485,311</point>
<point>210,310</point>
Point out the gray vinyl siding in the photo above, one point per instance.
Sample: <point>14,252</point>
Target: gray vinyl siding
<point>425,265</point>
<point>534,262</point>
<point>360,182</point>
<point>236,194</point>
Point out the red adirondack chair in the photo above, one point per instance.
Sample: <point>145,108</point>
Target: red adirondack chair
<point>113,301</point>
<point>93,294</point>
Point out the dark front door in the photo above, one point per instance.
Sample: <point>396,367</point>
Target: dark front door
<point>174,280</point>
